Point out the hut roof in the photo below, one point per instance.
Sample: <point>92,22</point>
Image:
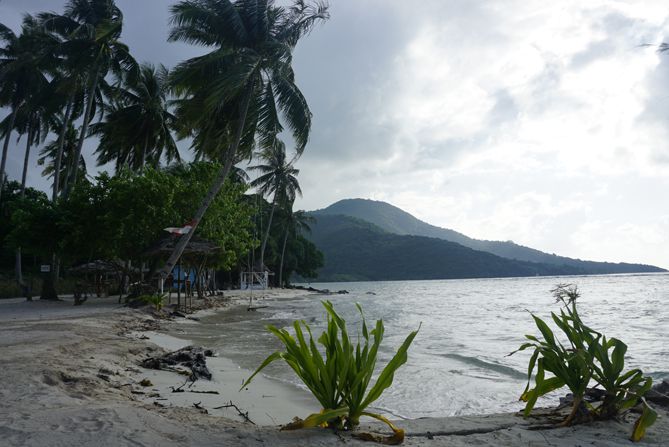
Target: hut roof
<point>99,266</point>
<point>196,246</point>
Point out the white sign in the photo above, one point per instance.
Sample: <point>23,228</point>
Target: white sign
<point>45,268</point>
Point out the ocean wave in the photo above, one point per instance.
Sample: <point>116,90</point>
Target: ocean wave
<point>491,366</point>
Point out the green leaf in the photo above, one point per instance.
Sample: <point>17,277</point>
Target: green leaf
<point>647,418</point>
<point>545,330</point>
<point>267,361</point>
<point>385,379</point>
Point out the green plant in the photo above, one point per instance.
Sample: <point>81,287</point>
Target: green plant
<point>340,381</point>
<point>155,299</point>
<point>622,390</point>
<point>587,358</point>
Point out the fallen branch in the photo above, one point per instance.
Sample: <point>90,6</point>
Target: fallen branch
<point>200,407</point>
<point>180,389</point>
<point>245,415</point>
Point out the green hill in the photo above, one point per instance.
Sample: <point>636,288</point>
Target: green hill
<point>356,250</point>
<point>394,220</point>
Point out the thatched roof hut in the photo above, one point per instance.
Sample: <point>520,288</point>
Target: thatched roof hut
<point>197,247</point>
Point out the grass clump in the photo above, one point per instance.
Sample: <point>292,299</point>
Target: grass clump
<point>341,379</point>
<point>156,300</point>
<point>588,357</point>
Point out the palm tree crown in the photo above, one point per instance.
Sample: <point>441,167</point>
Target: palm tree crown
<point>138,128</point>
<point>278,176</point>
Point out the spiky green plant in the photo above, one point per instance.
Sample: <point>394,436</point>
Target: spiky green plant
<point>622,390</point>
<point>587,358</point>
<point>340,381</point>
<point>155,299</point>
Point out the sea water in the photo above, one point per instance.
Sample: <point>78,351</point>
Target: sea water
<point>459,363</point>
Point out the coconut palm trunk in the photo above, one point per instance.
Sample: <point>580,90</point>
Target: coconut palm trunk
<point>18,261</point>
<point>61,145</point>
<point>24,175</point>
<point>266,236</point>
<point>84,132</point>
<point>5,149</point>
<point>215,187</point>
<point>283,253</point>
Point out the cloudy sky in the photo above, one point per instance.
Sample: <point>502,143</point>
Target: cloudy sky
<point>545,123</point>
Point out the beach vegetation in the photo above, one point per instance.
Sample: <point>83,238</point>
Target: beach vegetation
<point>156,300</point>
<point>67,76</point>
<point>588,356</point>
<point>341,379</point>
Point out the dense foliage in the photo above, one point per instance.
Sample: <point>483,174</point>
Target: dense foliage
<point>120,217</point>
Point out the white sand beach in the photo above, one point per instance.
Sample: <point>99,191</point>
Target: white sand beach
<point>71,377</point>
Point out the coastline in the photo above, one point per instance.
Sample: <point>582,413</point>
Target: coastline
<point>71,377</point>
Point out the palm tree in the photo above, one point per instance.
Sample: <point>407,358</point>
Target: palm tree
<point>23,68</point>
<point>49,157</point>
<point>92,29</point>
<point>246,81</point>
<point>278,179</point>
<point>138,129</point>
<point>296,223</point>
<point>22,80</point>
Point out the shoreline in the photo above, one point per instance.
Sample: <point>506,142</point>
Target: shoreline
<point>72,378</point>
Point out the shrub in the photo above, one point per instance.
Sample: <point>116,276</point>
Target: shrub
<point>590,356</point>
<point>155,299</point>
<point>340,381</point>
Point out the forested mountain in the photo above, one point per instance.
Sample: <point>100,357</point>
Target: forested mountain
<point>356,250</point>
<point>394,220</point>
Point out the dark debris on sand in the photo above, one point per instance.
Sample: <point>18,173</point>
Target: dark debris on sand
<point>191,357</point>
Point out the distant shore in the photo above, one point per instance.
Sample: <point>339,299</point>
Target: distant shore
<point>71,376</point>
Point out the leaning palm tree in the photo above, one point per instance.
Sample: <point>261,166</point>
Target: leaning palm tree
<point>92,46</point>
<point>246,79</point>
<point>278,178</point>
<point>138,129</point>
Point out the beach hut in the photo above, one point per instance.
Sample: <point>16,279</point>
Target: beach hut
<point>191,272</point>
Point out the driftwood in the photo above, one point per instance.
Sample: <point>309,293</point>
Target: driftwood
<point>659,394</point>
<point>243,414</point>
<point>190,357</point>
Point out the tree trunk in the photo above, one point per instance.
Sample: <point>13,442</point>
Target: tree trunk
<point>48,289</point>
<point>82,137</point>
<point>283,252</point>
<point>55,263</point>
<point>144,150</point>
<point>18,262</point>
<point>266,237</point>
<point>215,187</point>
<point>61,146</point>
<point>5,148</point>
<point>24,176</point>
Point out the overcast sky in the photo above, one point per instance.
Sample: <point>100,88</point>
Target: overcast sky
<point>545,123</point>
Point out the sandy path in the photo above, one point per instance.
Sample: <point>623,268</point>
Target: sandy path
<point>67,378</point>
